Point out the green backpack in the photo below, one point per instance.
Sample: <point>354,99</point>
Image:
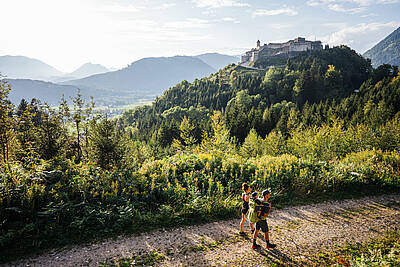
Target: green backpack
<point>257,210</point>
<point>254,207</point>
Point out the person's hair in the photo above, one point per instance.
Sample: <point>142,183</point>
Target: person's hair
<point>245,186</point>
<point>266,192</point>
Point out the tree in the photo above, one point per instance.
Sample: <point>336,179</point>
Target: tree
<point>251,146</point>
<point>78,117</point>
<point>219,139</point>
<point>106,145</point>
<point>187,138</point>
<point>6,120</point>
<point>50,133</point>
<point>333,83</point>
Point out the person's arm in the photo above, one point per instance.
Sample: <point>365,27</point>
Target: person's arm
<point>269,205</point>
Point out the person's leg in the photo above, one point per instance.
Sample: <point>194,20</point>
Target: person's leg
<point>252,227</point>
<point>257,229</point>
<point>255,234</point>
<point>269,244</point>
<point>242,222</point>
<point>266,236</point>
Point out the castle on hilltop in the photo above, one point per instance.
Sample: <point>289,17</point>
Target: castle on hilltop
<point>290,48</point>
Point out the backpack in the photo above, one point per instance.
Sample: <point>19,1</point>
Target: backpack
<point>263,211</point>
<point>255,210</point>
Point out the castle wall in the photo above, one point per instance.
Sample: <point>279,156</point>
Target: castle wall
<point>290,48</point>
<point>300,47</point>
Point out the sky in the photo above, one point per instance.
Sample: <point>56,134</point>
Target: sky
<point>115,33</point>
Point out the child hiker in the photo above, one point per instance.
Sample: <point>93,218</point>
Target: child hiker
<point>245,207</point>
<point>258,213</point>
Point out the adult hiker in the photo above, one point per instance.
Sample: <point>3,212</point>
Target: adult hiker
<point>258,212</point>
<point>245,208</point>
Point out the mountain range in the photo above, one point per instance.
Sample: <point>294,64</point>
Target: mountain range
<point>20,67</point>
<point>149,75</point>
<point>26,68</point>
<point>51,93</point>
<point>386,51</point>
<point>145,78</point>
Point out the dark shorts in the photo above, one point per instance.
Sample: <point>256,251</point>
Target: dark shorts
<point>263,225</point>
<point>244,210</point>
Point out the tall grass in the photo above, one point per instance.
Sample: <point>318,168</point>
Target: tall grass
<point>57,201</point>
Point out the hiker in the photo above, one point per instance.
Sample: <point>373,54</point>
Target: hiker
<point>245,208</point>
<point>258,213</point>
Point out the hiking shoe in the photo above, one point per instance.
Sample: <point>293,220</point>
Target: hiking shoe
<point>270,246</point>
<point>242,233</point>
<point>256,246</point>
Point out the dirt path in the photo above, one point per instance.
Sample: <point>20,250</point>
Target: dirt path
<point>300,233</point>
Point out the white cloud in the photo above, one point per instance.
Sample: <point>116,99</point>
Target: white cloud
<point>230,19</point>
<point>339,25</point>
<point>273,12</point>
<point>118,8</point>
<point>370,2</point>
<point>279,26</point>
<point>167,5</point>
<point>359,36</point>
<point>191,23</point>
<point>369,15</point>
<point>358,2</point>
<point>320,2</point>
<point>340,8</point>
<point>219,3</point>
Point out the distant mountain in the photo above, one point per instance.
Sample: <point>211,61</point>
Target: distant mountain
<point>148,75</point>
<point>51,93</point>
<point>44,91</point>
<point>386,51</point>
<point>88,69</point>
<point>26,68</point>
<point>218,61</point>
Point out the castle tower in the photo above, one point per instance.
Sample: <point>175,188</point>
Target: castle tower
<point>258,44</point>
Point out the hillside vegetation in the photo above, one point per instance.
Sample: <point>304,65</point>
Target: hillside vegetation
<point>386,51</point>
<point>324,125</point>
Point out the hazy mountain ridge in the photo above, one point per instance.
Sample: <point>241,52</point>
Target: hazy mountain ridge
<point>51,93</point>
<point>88,69</point>
<point>386,51</point>
<point>142,79</point>
<point>217,61</point>
<point>149,75</point>
<point>26,68</point>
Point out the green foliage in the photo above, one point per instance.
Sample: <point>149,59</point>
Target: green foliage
<point>244,95</point>
<point>376,252</point>
<point>6,120</point>
<point>301,131</point>
<point>106,147</point>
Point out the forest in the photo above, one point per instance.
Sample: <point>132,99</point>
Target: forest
<point>325,125</point>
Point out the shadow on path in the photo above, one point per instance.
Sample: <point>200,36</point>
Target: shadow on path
<point>276,256</point>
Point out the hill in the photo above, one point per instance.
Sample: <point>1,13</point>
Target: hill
<point>245,94</point>
<point>51,92</point>
<point>26,68</point>
<point>386,51</point>
<point>324,126</point>
<point>217,61</point>
<point>148,76</point>
<point>88,69</point>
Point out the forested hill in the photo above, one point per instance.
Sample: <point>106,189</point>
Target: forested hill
<point>386,51</point>
<point>246,95</point>
<point>324,125</point>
